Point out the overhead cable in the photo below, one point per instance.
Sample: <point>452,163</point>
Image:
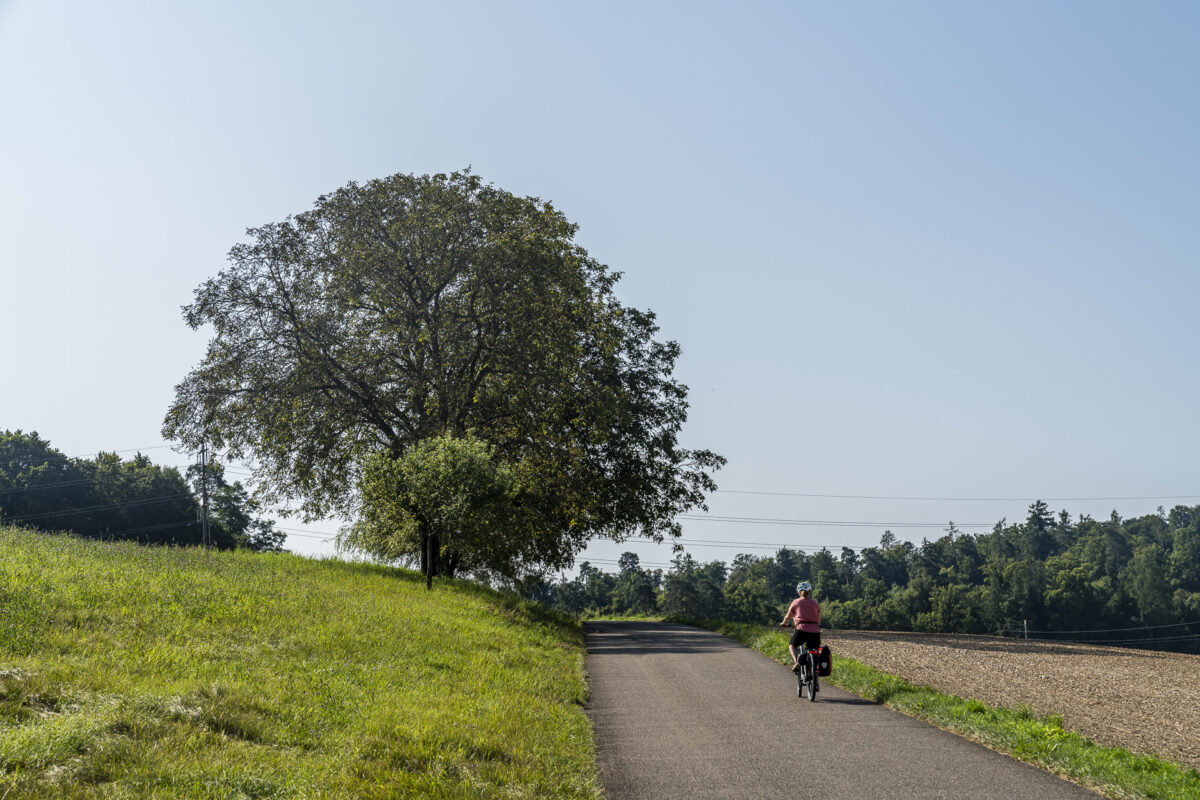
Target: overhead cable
<point>830,523</point>
<point>129,450</point>
<point>961,499</point>
<point>1112,630</point>
<point>57,485</point>
<point>89,509</point>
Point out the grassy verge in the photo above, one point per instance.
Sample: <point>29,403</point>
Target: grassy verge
<point>1036,740</point>
<point>139,672</point>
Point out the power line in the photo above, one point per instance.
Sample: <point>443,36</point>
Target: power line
<point>146,529</point>
<point>307,533</point>
<point>1115,640</point>
<point>1113,630</point>
<point>1143,640</point>
<point>129,450</point>
<point>749,545</point>
<point>830,523</point>
<point>88,509</point>
<point>615,561</point>
<point>57,485</point>
<point>244,470</point>
<point>961,499</point>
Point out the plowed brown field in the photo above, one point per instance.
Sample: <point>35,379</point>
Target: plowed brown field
<point>1142,700</point>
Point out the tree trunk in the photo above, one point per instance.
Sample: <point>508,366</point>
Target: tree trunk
<point>430,559</point>
<point>434,560</point>
<point>424,551</point>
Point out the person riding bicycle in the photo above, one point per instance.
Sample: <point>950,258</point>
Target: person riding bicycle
<point>805,614</point>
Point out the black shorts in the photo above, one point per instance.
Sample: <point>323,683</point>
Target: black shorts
<point>810,641</point>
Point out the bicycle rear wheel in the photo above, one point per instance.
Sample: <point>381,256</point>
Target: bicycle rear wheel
<point>810,685</point>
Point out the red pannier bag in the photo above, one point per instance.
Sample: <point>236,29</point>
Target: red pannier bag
<point>824,662</point>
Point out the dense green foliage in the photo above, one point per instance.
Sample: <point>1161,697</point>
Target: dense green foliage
<point>415,307</point>
<point>1084,579</point>
<point>445,495</point>
<point>139,672</point>
<point>1114,772</point>
<point>108,497</point>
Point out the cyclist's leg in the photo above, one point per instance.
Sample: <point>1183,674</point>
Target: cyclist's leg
<point>795,648</point>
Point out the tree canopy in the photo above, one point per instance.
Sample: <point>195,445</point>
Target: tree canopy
<point>414,307</point>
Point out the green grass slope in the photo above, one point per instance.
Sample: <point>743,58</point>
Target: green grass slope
<point>138,672</point>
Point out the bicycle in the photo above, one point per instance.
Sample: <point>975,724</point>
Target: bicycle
<point>807,680</point>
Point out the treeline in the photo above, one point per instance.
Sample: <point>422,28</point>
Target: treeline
<point>1116,581</point>
<point>108,497</point>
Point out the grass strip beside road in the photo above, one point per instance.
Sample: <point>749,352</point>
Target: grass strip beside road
<point>154,672</point>
<point>1041,741</point>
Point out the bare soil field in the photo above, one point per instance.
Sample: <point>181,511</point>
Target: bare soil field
<point>1145,701</point>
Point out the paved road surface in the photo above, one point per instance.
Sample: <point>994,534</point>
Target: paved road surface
<point>685,713</point>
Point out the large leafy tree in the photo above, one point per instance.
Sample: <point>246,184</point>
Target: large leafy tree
<point>414,307</point>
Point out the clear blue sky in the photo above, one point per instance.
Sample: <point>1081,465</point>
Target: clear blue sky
<point>909,249</point>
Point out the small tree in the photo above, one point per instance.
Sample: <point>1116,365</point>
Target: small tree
<point>749,601</point>
<point>635,590</point>
<point>446,502</point>
<point>693,589</point>
<point>1146,579</point>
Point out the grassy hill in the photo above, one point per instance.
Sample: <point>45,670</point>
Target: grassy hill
<point>139,672</point>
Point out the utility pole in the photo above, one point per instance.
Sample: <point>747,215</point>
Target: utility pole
<point>204,496</point>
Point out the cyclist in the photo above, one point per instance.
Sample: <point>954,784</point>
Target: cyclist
<point>805,614</point>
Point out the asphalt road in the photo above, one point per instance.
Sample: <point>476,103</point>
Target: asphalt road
<point>685,713</point>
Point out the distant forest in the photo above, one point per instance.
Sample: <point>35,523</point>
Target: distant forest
<point>1133,582</point>
<point>108,497</point>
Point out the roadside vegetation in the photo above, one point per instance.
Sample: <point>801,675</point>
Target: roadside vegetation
<point>1041,741</point>
<point>138,672</point>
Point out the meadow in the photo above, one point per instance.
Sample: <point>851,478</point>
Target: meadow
<point>139,672</point>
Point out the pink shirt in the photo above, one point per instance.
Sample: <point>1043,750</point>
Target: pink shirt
<point>806,614</point>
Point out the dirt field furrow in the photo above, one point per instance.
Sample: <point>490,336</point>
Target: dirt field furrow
<point>1144,701</point>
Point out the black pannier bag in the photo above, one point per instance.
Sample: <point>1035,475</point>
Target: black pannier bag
<point>824,662</point>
